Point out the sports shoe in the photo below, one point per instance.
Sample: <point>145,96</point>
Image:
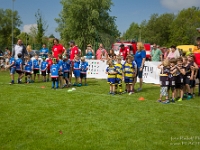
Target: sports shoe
<point>79,85</point>
<point>113,93</point>
<point>166,102</point>
<point>159,100</point>
<point>11,83</point>
<point>189,97</point>
<point>74,84</point>
<point>173,101</point>
<point>139,89</point>
<point>180,99</point>
<point>130,93</point>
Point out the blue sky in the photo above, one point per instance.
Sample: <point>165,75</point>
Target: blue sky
<point>126,11</point>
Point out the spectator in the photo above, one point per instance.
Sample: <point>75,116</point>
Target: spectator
<point>89,52</point>
<point>156,54</point>
<point>103,56</point>
<point>124,51</point>
<point>57,48</point>
<point>173,53</point>
<point>74,50</point>
<point>166,52</point>
<point>112,55</point>
<point>140,57</point>
<point>19,48</point>
<point>44,51</point>
<point>28,48</point>
<point>7,51</point>
<point>99,52</point>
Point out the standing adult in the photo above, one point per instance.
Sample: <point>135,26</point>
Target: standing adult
<point>89,52</point>
<point>57,48</point>
<point>99,52</point>
<point>156,54</point>
<point>173,53</point>
<point>124,51</point>
<point>140,57</point>
<point>44,51</point>
<point>74,50</point>
<point>19,48</point>
<point>196,51</point>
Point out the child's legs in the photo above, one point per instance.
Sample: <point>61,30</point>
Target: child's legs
<point>113,88</point>
<point>53,82</point>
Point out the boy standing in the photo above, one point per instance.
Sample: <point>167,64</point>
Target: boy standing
<point>44,66</point>
<point>83,70</point>
<point>28,69</point>
<point>12,66</point>
<point>55,74</point>
<point>19,68</point>
<point>119,71</point>
<point>36,68</point>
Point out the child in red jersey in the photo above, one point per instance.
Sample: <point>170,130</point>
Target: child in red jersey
<point>49,62</point>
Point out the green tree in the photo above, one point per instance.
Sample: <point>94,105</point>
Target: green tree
<point>183,28</point>
<point>6,27</point>
<point>85,21</point>
<point>41,28</point>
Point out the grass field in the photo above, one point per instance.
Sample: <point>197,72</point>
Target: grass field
<point>35,118</point>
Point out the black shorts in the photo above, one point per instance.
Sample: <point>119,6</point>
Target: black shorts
<point>66,75</point>
<point>172,88</point>
<point>187,80</point>
<point>36,71</point>
<point>198,74</point>
<point>54,79</point>
<point>44,73</point>
<point>19,71</point>
<point>48,71</point>
<point>83,75</point>
<point>27,73</point>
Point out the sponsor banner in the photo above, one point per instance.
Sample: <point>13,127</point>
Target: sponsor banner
<point>97,69</point>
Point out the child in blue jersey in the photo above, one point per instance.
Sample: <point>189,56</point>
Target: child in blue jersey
<point>55,74</point>
<point>43,69</point>
<point>60,64</point>
<point>129,74</point>
<point>28,69</point>
<point>119,70</point>
<point>12,67</point>
<point>36,67</point>
<point>111,71</point>
<point>19,68</point>
<point>83,70</point>
<point>76,70</point>
<point>66,70</point>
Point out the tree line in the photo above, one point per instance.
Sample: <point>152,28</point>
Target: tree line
<point>167,29</point>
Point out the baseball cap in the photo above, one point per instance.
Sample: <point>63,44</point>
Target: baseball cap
<point>122,45</point>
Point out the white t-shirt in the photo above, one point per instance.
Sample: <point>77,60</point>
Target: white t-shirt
<point>18,49</point>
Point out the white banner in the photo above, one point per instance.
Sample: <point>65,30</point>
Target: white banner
<point>97,69</point>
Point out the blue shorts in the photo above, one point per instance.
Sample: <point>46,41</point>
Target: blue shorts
<point>139,73</point>
<point>128,80</point>
<point>12,70</point>
<point>77,73</point>
<point>111,81</point>
<point>118,81</point>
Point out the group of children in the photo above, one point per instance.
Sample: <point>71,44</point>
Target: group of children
<point>119,72</point>
<point>177,75</point>
<point>59,70</point>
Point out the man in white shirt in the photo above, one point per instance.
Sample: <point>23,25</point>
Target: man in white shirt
<point>19,48</point>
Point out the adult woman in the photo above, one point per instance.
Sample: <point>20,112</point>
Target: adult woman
<point>140,57</point>
<point>112,55</point>
<point>57,48</point>
<point>173,53</point>
<point>100,51</point>
<point>89,52</point>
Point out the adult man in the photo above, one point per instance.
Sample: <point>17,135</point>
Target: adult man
<point>19,48</point>
<point>44,51</point>
<point>156,54</point>
<point>196,51</point>
<point>124,51</point>
<point>74,50</point>
<point>57,48</point>
<point>99,52</point>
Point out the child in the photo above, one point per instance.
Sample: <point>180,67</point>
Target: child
<point>164,80</point>
<point>54,74</point>
<point>119,70</point>
<point>28,69</point>
<point>12,66</point>
<point>111,71</point>
<point>49,62</point>
<point>76,69</point>
<point>43,68</point>
<point>129,74</point>
<point>66,70</point>
<point>19,68</point>
<point>60,63</point>
<point>83,70</point>
<point>180,77</point>
<point>36,70</point>
<point>172,79</point>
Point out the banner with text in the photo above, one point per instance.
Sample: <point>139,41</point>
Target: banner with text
<point>97,69</point>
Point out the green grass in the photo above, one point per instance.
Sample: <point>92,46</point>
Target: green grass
<point>90,119</point>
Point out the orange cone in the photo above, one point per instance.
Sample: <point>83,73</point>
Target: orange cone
<point>42,87</point>
<point>141,98</point>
